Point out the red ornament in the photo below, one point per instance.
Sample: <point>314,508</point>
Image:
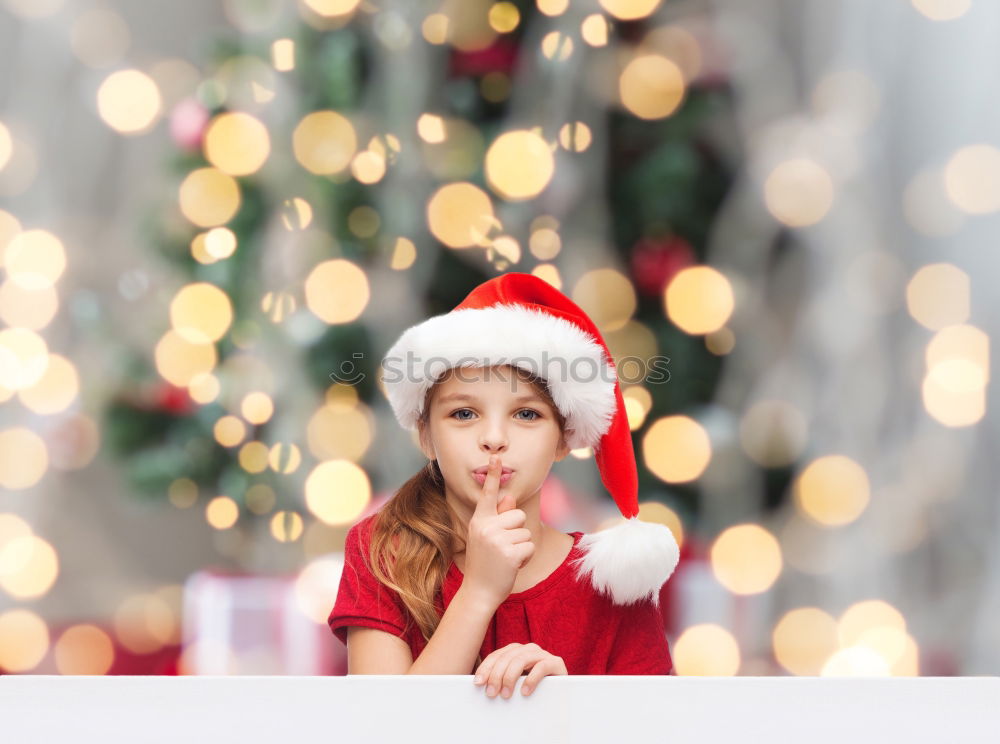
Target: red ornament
<point>173,399</point>
<point>656,260</point>
<point>498,57</point>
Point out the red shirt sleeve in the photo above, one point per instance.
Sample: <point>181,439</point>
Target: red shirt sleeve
<point>362,599</point>
<point>640,645</point>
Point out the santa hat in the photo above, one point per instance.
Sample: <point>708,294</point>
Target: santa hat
<point>521,320</point>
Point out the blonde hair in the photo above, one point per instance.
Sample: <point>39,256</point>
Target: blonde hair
<point>414,534</point>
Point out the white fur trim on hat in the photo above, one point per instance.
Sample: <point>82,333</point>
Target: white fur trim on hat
<point>630,561</point>
<point>580,379</point>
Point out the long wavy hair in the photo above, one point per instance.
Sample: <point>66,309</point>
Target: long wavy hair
<point>416,533</point>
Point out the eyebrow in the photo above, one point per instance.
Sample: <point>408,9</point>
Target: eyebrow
<point>473,398</point>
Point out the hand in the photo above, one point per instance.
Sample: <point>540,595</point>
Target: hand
<point>500,670</point>
<point>498,544</point>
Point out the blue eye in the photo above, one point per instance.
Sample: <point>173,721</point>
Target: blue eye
<point>534,414</point>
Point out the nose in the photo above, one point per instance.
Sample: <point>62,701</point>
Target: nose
<point>493,438</point>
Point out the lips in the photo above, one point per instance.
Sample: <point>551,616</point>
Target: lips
<point>486,468</point>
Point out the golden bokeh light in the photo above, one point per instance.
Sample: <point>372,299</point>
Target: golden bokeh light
<point>798,192</point>
<point>607,296</point>
<point>32,309</point>
<point>278,306</point>
<point>337,291</point>
<point>340,430</point>
<point>29,567</point>
<point>460,215</point>
<point>505,249</point>
<point>337,491</point>
<point>594,30</point>
<point>552,7</point>
<point>229,431</point>
<point>638,402</point>
<point>575,136</point>
<point>368,167</point>
<point>545,244</point>
<point>431,128</point>
<point>942,10</point>
<point>222,512</point>
<point>699,300</point>
<point>84,649</point>
<point>630,10</point>
<point>324,142</point>
<point>557,45</point>
<point>34,259</point>
<point>144,623</point>
<point>204,388</point>
<point>651,86</point>
<point>201,313</point>
<point>364,221</point>
<point>332,8</point>
<point>208,197</point>
<point>957,372</point>
<point>24,640</point>
<point>855,661</point>
<point>24,458</point>
<point>129,101</point>
<point>260,498</point>
<point>504,17</point>
<point>284,458</point>
<point>869,614</point>
<point>746,559</point>
<point>283,54</point>
<point>519,165</point>
<point>179,361</point>
<point>833,490</point>
<point>657,513</point>
<point>237,143</point>
<point>183,493</point>
<point>55,390</point>
<point>706,650</point>
<point>257,407</point>
<point>296,213</point>
<point>404,254</point>
<point>6,146</point>
<point>676,449</point>
<point>12,526</point>
<point>804,639</point>
<point>253,457</point>
<point>972,179</point>
<point>24,357</point>
<point>286,526</point>
<point>316,583</point>
<point>938,295</point>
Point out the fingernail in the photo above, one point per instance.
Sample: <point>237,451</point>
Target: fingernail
<point>525,689</point>
<point>491,690</point>
<point>505,692</point>
<point>478,680</point>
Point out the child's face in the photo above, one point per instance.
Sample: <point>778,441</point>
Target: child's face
<point>502,414</point>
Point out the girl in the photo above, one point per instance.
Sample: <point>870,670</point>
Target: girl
<point>457,572</point>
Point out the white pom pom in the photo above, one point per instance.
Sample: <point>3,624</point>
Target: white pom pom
<point>630,561</point>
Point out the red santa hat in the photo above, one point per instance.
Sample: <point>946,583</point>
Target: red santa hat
<point>522,320</point>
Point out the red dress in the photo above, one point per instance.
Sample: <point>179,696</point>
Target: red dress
<point>562,613</point>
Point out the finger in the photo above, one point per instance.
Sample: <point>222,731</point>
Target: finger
<point>495,681</point>
<point>512,519</point>
<point>487,503</point>
<point>515,668</point>
<point>541,669</point>
<point>523,552</point>
<point>519,535</point>
<point>485,667</point>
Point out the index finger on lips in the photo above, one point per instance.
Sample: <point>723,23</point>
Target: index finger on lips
<point>491,488</point>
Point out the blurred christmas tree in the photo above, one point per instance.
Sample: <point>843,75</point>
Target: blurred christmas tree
<point>269,153</point>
